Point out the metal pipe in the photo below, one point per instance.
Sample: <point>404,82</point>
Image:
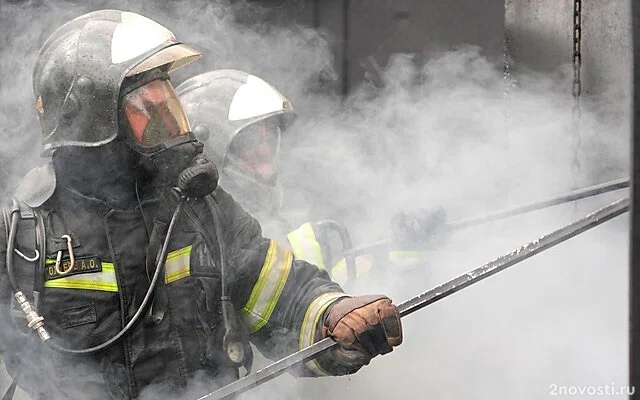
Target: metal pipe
<point>634,268</point>
<point>510,212</point>
<point>347,245</point>
<point>431,296</point>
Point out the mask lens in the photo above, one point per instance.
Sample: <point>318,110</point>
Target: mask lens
<point>254,150</point>
<point>154,114</point>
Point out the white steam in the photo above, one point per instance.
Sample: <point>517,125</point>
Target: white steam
<point>449,132</point>
<point>452,133</point>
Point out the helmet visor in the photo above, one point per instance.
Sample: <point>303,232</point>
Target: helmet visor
<point>154,114</point>
<point>254,151</point>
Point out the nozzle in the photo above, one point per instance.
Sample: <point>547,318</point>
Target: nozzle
<point>34,320</point>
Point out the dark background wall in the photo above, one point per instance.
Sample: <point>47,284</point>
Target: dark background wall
<point>363,33</point>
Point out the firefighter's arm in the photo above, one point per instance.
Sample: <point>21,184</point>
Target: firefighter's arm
<point>279,299</point>
<point>289,304</point>
<point>304,307</point>
<point>309,308</point>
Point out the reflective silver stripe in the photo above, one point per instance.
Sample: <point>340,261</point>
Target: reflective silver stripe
<point>177,265</point>
<point>310,323</point>
<point>305,246</point>
<point>266,292</point>
<point>104,280</point>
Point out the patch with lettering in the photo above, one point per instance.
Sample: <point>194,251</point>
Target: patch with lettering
<point>82,265</point>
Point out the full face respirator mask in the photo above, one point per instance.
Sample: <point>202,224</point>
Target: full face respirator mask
<point>155,126</point>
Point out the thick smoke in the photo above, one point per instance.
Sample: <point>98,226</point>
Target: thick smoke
<point>453,133</point>
<point>449,132</point>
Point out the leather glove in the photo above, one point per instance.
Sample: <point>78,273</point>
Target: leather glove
<point>364,327</point>
<point>420,230</point>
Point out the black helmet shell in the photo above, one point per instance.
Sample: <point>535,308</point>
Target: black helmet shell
<point>81,66</point>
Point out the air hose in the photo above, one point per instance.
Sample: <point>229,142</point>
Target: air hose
<point>36,321</point>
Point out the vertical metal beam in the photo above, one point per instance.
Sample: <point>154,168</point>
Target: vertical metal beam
<point>345,47</point>
<point>634,273</point>
<point>316,14</point>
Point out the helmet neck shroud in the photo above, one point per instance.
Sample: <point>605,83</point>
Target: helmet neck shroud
<point>109,172</point>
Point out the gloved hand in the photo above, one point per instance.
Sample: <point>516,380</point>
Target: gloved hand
<point>421,229</point>
<point>364,327</point>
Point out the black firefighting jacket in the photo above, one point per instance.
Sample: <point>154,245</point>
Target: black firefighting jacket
<point>279,299</point>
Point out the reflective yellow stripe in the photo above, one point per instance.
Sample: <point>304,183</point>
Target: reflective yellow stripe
<point>104,280</point>
<point>310,323</point>
<point>305,246</point>
<point>339,271</point>
<point>267,290</point>
<point>177,265</point>
<point>405,254</point>
<point>404,260</point>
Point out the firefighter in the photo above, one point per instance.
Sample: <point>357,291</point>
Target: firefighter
<point>241,118</point>
<point>127,271</point>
